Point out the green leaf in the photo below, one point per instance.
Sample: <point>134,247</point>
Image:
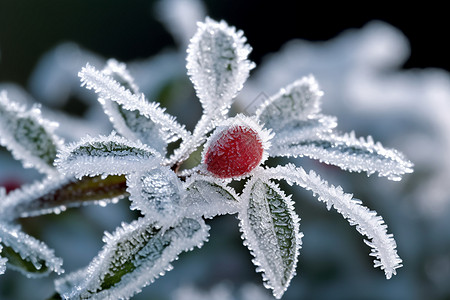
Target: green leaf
<point>27,254</point>
<point>132,124</point>
<point>133,257</point>
<point>53,195</point>
<point>297,101</point>
<point>270,229</point>
<point>208,199</point>
<point>28,136</point>
<point>106,155</point>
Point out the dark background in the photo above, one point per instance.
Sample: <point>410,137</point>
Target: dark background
<point>128,29</point>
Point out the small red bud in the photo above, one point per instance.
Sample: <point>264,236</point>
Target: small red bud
<point>235,151</point>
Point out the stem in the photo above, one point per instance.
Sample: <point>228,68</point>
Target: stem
<point>205,124</point>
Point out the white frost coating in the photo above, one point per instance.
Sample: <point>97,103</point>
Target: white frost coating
<point>297,101</point>
<point>367,222</point>
<point>132,124</point>
<point>2,260</point>
<point>208,197</point>
<point>264,135</point>
<point>344,151</point>
<point>31,250</point>
<point>41,197</point>
<point>157,194</point>
<point>217,65</point>
<point>145,250</point>
<point>107,88</point>
<point>21,203</point>
<point>106,155</point>
<point>28,136</point>
<point>270,229</point>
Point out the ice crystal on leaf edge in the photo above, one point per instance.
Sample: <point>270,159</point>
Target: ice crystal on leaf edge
<point>288,124</point>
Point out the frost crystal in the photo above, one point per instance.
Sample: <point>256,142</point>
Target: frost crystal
<point>271,231</point>
<point>26,254</point>
<point>208,198</point>
<point>217,65</point>
<point>131,123</point>
<point>106,155</point>
<point>108,88</point>
<point>133,257</point>
<point>157,193</point>
<point>173,195</point>
<point>28,136</point>
<point>298,101</point>
<point>367,222</point>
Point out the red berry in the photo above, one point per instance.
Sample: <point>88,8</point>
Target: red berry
<point>233,152</point>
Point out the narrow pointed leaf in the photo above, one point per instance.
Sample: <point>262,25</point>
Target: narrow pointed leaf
<point>26,254</point>
<point>131,123</point>
<point>367,222</point>
<point>206,198</point>
<point>157,194</point>
<point>298,101</point>
<point>217,65</point>
<point>133,257</point>
<point>56,194</point>
<point>28,136</point>
<point>109,89</point>
<point>346,152</point>
<point>270,229</point>
<point>106,155</point>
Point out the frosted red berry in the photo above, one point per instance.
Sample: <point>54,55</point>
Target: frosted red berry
<point>234,152</point>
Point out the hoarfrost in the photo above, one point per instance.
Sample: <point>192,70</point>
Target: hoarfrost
<point>270,229</point>
<point>367,222</point>
<point>298,101</point>
<point>344,151</point>
<point>2,261</point>
<point>26,254</point>
<point>107,88</point>
<point>28,136</point>
<point>217,65</point>
<point>133,257</point>
<point>56,194</point>
<point>131,123</point>
<point>157,194</point>
<point>106,155</point>
<point>208,198</point>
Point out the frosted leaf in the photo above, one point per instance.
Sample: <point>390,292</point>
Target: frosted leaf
<point>157,194</point>
<point>208,198</point>
<point>296,131</point>
<point>131,123</point>
<point>298,101</point>
<point>270,229</point>
<point>217,65</point>
<point>367,222</point>
<point>344,151</point>
<point>2,260</point>
<point>28,136</point>
<point>26,254</point>
<point>109,89</point>
<point>56,194</point>
<point>106,155</point>
<point>133,257</point>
